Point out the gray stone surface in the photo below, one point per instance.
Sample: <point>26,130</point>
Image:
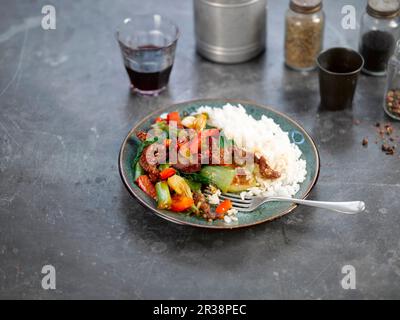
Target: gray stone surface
<point>65,108</point>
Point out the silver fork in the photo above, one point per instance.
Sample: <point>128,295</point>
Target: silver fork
<point>251,203</point>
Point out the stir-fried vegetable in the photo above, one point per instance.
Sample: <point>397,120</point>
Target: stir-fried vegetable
<point>137,171</point>
<point>188,121</point>
<point>239,187</point>
<point>174,116</point>
<point>196,177</point>
<point>166,173</point>
<point>163,166</point>
<point>181,203</point>
<point>222,177</point>
<point>193,185</point>
<point>197,122</point>
<point>163,195</point>
<point>161,125</point>
<point>224,206</point>
<point>210,133</point>
<point>180,186</point>
<point>200,122</point>
<point>145,184</point>
<point>243,182</point>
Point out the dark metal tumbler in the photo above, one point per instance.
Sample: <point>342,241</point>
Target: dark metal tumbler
<point>338,72</point>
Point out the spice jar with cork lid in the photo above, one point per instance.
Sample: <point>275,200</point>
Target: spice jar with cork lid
<point>380,29</point>
<point>304,24</point>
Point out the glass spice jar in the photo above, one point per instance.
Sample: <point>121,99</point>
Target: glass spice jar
<point>391,102</point>
<point>304,28</point>
<point>379,33</point>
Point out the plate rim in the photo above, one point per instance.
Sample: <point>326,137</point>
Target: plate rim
<point>232,101</point>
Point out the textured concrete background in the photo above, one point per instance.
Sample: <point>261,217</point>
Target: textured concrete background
<point>65,108</point>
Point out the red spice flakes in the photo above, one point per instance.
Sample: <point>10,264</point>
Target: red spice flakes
<point>365,142</point>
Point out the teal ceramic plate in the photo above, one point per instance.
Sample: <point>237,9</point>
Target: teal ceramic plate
<point>267,212</point>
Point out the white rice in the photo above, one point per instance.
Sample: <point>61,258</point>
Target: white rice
<point>214,198</point>
<point>265,137</point>
<point>231,216</point>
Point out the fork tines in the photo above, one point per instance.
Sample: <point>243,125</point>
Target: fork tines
<point>237,202</point>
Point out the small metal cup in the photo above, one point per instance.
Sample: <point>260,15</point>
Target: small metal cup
<point>338,73</point>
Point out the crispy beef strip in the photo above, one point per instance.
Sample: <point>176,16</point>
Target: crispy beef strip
<point>141,135</point>
<point>187,168</point>
<point>265,170</point>
<point>150,167</point>
<point>204,207</point>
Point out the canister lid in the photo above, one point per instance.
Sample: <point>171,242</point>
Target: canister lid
<point>305,6</point>
<point>383,8</point>
<point>230,3</point>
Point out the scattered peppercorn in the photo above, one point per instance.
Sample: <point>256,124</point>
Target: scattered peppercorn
<point>385,136</point>
<point>389,150</point>
<point>389,129</point>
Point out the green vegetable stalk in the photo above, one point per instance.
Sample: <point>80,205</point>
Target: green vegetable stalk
<point>194,186</point>
<point>163,166</point>
<point>137,171</point>
<point>164,200</point>
<point>196,177</point>
<point>179,185</point>
<point>220,176</point>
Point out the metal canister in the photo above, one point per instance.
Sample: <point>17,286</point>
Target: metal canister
<point>230,31</point>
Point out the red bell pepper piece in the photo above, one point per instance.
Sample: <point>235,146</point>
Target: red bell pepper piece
<point>181,203</point>
<point>223,207</point>
<point>195,143</point>
<point>174,116</point>
<point>145,184</point>
<point>166,173</point>
<point>209,133</point>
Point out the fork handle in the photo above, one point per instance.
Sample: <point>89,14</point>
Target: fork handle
<point>349,207</point>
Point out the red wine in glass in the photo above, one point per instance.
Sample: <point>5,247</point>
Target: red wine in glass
<point>146,77</point>
<point>148,68</point>
<point>148,44</point>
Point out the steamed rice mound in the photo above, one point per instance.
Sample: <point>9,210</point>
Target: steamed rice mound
<point>264,137</point>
